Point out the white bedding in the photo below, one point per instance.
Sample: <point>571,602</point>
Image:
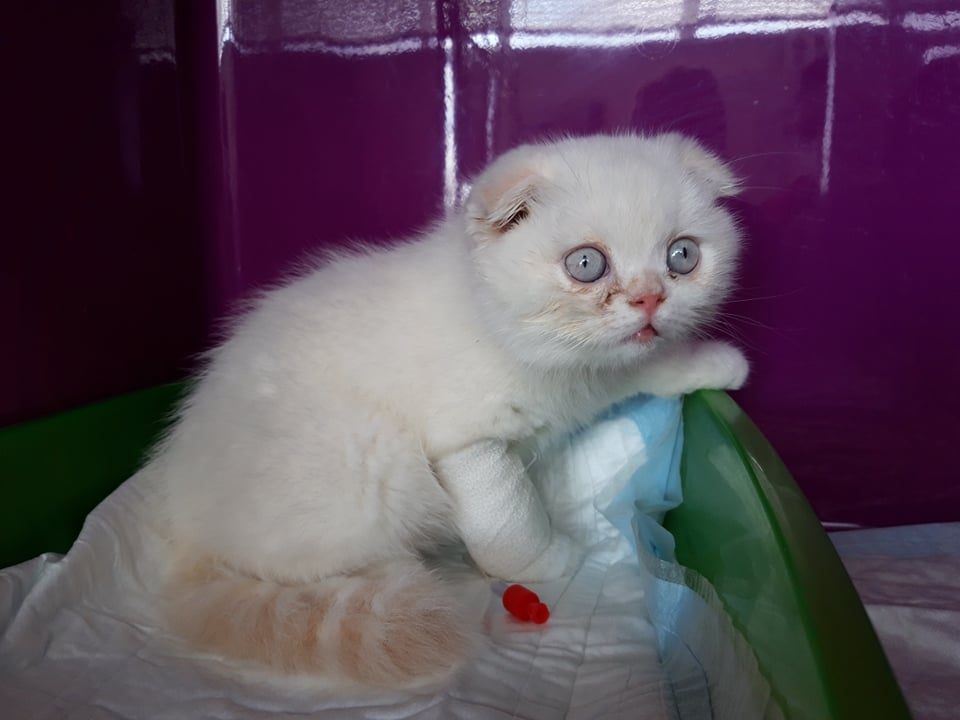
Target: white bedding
<point>909,580</point>
<point>79,637</point>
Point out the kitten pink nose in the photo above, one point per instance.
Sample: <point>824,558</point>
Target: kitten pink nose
<point>648,301</point>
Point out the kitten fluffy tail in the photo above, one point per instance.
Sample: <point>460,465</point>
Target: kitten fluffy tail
<point>392,626</point>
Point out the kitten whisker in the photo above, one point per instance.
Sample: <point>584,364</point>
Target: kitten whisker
<point>762,297</point>
<point>771,153</point>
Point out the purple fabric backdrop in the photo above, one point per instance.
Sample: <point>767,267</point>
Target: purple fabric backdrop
<point>160,181</point>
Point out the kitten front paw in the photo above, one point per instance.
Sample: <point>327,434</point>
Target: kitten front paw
<point>721,366</point>
<point>560,559</point>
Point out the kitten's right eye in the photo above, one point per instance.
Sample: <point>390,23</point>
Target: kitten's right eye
<point>683,256</point>
<point>586,264</point>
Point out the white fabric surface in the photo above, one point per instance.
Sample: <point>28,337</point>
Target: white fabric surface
<point>79,637</point>
<point>909,580</point>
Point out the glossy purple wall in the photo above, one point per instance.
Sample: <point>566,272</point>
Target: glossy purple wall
<point>101,267</point>
<point>304,123</point>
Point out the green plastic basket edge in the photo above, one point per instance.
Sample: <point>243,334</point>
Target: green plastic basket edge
<point>855,677</point>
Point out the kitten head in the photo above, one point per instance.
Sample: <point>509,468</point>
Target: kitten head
<point>592,251</point>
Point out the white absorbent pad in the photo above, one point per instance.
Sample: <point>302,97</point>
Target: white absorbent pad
<point>80,636</point>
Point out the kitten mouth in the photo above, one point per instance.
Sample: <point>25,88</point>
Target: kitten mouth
<point>645,334</point>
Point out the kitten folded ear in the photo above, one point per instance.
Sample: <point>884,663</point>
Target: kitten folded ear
<point>502,196</point>
<point>703,165</point>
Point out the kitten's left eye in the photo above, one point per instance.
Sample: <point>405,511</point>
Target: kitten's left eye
<point>683,256</point>
<point>586,264</point>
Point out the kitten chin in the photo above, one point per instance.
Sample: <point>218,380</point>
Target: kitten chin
<point>301,477</point>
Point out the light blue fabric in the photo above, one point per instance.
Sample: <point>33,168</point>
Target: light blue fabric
<point>654,488</point>
<point>712,670</point>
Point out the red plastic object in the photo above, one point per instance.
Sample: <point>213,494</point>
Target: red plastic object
<point>524,604</point>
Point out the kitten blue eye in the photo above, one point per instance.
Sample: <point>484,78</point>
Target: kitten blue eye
<point>683,256</point>
<point>586,264</point>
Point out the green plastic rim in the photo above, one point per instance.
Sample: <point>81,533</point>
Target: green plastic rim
<point>746,526</point>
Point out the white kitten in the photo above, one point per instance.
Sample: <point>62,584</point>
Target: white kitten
<point>366,410</point>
